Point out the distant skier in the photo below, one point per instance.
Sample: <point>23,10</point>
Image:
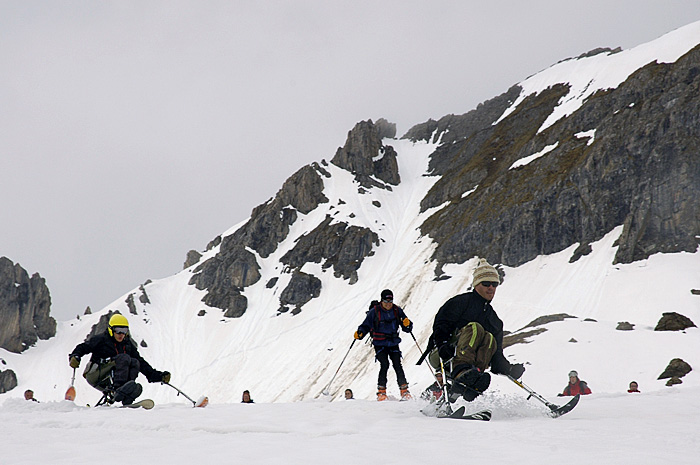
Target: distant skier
<point>468,332</point>
<point>575,386</point>
<point>29,395</point>
<point>115,363</point>
<point>634,387</point>
<point>435,390</point>
<point>245,398</point>
<point>382,323</point>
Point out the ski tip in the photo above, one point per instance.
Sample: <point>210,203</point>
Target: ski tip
<point>202,402</point>
<point>70,394</point>
<point>148,404</point>
<point>566,408</point>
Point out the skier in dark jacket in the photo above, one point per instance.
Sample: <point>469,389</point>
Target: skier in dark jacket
<point>115,363</point>
<point>468,331</point>
<point>382,323</point>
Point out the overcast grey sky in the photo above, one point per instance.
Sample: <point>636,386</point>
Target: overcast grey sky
<point>134,131</point>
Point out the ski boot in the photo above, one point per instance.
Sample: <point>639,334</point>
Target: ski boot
<point>469,382</point>
<point>381,393</point>
<point>405,395</point>
<point>128,392</point>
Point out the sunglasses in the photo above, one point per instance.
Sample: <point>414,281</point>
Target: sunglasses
<point>489,283</point>
<point>121,330</point>
<point>388,300</point>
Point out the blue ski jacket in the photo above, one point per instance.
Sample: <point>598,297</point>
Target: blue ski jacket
<point>383,325</point>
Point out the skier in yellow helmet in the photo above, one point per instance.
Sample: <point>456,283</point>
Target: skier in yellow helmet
<point>115,363</point>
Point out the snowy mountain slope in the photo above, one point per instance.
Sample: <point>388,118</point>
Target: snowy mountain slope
<point>282,357</point>
<point>287,358</point>
<point>607,70</point>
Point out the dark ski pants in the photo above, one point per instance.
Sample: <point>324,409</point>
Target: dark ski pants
<point>383,355</point>
<point>475,346</point>
<point>126,369</point>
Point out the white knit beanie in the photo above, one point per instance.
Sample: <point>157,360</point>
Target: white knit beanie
<point>485,272</point>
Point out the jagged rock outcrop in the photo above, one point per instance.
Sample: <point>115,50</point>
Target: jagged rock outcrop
<point>367,158</point>
<point>8,381</point>
<point>25,305</point>
<point>455,128</point>
<point>640,169</point>
<point>385,129</point>
<point>269,223</point>
<point>131,305</point>
<point>301,288</point>
<point>624,326</point>
<point>677,368</point>
<point>143,298</point>
<point>522,336</point>
<point>225,275</point>
<point>234,267</point>
<point>672,321</point>
<point>333,244</point>
<point>192,257</point>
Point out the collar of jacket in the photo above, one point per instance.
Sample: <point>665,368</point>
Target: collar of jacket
<point>480,299</point>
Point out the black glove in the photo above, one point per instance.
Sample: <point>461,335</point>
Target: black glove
<point>446,352</point>
<point>517,370</point>
<point>166,377</point>
<point>74,361</point>
<point>407,325</point>
<point>359,335</point>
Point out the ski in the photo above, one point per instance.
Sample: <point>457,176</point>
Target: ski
<point>459,414</point>
<point>147,404</point>
<point>456,414</point>
<point>483,415</point>
<point>566,408</point>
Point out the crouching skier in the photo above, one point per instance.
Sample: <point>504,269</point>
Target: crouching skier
<point>382,322</point>
<point>115,363</point>
<point>468,332</point>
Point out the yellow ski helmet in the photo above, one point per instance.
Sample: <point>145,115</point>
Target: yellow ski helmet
<point>117,320</point>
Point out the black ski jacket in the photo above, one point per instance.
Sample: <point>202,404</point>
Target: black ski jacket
<point>103,347</point>
<point>461,310</point>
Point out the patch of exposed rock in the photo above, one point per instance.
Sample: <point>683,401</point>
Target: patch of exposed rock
<point>672,321</point>
<point>25,306</point>
<point>364,155</point>
<point>8,381</point>
<point>522,337</point>
<point>334,245</point>
<point>677,368</point>
<point>301,288</point>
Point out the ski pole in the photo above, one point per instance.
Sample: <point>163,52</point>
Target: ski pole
<point>444,388</point>
<point>70,392</point>
<point>421,351</point>
<point>551,406</point>
<point>202,402</point>
<point>325,389</point>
